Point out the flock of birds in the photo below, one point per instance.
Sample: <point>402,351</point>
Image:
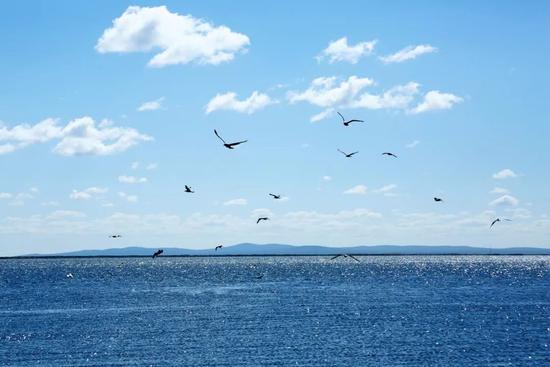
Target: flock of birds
<point>345,122</point>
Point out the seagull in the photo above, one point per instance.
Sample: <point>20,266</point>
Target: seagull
<point>389,154</point>
<point>346,123</point>
<point>115,236</point>
<point>261,218</point>
<point>70,275</point>
<point>344,255</point>
<point>346,154</point>
<point>228,145</point>
<point>438,199</point>
<point>499,220</point>
<point>188,189</point>
<point>157,253</point>
<point>219,247</point>
<point>276,197</point>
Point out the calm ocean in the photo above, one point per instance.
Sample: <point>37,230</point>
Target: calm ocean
<point>276,311</point>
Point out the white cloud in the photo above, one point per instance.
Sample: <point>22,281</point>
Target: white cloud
<point>128,198</point>
<point>505,173</point>
<point>408,53</point>
<point>131,179</point>
<point>151,105</point>
<point>181,38</point>
<point>436,100</point>
<point>229,101</point>
<point>327,178</point>
<point>357,190</point>
<point>398,97</point>
<point>499,191</point>
<point>339,50</point>
<point>412,144</point>
<point>326,92</point>
<point>88,193</point>
<point>151,166</point>
<point>79,137</point>
<point>5,195</point>
<point>236,202</point>
<point>505,200</point>
<point>135,165</point>
<point>386,190</point>
<point>50,203</point>
<point>322,115</point>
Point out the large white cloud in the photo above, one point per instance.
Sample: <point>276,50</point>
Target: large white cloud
<point>436,100</point>
<point>181,39</point>
<point>398,97</point>
<point>229,101</point>
<point>339,50</point>
<point>327,92</point>
<point>80,136</point>
<point>408,53</point>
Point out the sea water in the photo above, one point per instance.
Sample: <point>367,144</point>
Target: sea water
<point>276,311</point>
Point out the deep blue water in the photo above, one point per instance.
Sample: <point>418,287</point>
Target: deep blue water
<point>276,311</point>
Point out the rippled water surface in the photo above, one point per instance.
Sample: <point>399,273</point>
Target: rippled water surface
<point>276,311</point>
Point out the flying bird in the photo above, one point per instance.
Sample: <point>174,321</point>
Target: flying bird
<point>188,189</point>
<point>346,154</point>
<point>228,145</point>
<point>157,253</point>
<point>344,255</point>
<point>276,197</point>
<point>261,218</point>
<point>389,154</point>
<point>115,236</point>
<point>219,247</point>
<point>438,199</point>
<point>70,275</point>
<point>499,220</point>
<point>346,123</point>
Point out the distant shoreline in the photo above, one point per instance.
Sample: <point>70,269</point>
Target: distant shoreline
<point>54,257</point>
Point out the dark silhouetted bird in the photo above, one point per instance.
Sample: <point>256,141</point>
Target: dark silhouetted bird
<point>219,247</point>
<point>438,199</point>
<point>115,236</point>
<point>348,155</point>
<point>228,145</point>
<point>499,220</point>
<point>345,256</point>
<point>346,123</point>
<point>188,189</point>
<point>275,196</point>
<point>158,253</point>
<point>261,218</point>
<point>389,154</point>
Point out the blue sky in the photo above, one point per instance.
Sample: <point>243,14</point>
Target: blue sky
<point>457,91</point>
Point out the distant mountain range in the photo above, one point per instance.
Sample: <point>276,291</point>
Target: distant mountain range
<point>250,249</point>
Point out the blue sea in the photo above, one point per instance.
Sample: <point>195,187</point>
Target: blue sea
<point>276,311</point>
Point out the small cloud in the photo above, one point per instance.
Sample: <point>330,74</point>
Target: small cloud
<point>412,144</point>
<point>504,174</point>
<point>135,165</point>
<point>339,50</point>
<point>386,190</point>
<point>229,101</point>
<point>436,100</point>
<point>151,105</point>
<point>499,191</point>
<point>357,190</point>
<point>408,53</point>
<point>132,179</point>
<point>327,178</point>
<point>50,203</point>
<point>107,205</point>
<point>5,195</point>
<point>61,214</point>
<point>151,166</point>
<point>128,198</point>
<point>505,200</point>
<point>87,193</point>
<point>322,115</point>
<point>236,202</point>
<point>34,190</point>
